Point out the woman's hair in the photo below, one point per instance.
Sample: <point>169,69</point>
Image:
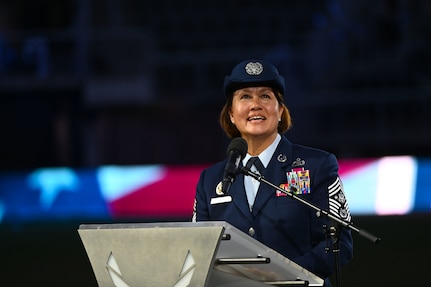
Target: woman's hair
<point>230,129</point>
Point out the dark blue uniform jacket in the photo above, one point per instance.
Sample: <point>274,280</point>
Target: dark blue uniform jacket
<point>281,222</point>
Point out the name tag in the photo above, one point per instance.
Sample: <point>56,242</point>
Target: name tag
<point>221,199</point>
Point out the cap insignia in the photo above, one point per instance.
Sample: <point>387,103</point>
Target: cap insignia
<point>254,69</point>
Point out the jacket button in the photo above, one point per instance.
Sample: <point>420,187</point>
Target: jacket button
<point>251,231</point>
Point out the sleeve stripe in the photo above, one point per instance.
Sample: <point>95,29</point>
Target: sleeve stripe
<point>337,201</point>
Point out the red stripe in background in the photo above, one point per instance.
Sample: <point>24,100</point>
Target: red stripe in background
<point>172,196</point>
<point>348,165</point>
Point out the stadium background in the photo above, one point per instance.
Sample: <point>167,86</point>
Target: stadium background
<point>91,84</point>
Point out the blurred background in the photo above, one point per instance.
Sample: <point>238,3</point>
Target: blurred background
<point>86,84</point>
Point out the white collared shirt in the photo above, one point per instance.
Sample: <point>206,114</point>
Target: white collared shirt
<point>251,185</point>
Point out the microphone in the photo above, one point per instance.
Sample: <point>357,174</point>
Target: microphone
<point>235,152</point>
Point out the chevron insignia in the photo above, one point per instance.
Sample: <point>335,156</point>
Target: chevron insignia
<point>337,201</point>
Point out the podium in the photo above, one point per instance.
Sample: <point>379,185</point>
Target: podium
<point>180,254</point>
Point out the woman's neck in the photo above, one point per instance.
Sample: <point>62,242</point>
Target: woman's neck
<point>256,145</point>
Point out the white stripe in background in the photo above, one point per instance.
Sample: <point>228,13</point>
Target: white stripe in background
<point>360,189</point>
<point>396,185</point>
<point>118,181</point>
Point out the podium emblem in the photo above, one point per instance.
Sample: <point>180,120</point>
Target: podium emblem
<point>114,272</point>
<point>186,273</point>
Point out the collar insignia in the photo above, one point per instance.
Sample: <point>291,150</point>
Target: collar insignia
<point>282,157</point>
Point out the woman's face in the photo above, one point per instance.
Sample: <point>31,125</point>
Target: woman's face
<point>255,112</point>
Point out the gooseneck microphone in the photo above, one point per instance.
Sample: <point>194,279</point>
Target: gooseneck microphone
<point>236,151</point>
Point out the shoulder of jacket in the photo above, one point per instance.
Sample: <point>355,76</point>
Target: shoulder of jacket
<point>303,151</point>
<point>216,166</point>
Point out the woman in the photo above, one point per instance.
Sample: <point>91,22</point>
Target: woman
<point>255,111</point>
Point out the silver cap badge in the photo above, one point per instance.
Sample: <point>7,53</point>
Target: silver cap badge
<point>254,69</point>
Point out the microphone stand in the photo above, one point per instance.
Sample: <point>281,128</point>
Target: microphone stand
<point>335,221</point>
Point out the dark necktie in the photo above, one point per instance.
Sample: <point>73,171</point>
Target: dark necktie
<point>257,163</point>
<point>251,190</point>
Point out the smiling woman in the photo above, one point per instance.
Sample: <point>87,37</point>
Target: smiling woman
<point>255,111</point>
<point>268,79</point>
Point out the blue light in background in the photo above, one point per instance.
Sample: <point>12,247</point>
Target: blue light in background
<point>385,186</point>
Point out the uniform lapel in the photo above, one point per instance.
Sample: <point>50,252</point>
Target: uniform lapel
<point>239,197</point>
<point>274,173</point>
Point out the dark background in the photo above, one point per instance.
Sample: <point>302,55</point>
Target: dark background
<point>92,82</point>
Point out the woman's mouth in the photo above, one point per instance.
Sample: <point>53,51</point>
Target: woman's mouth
<point>256,118</point>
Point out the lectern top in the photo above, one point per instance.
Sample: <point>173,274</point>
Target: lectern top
<point>180,254</point>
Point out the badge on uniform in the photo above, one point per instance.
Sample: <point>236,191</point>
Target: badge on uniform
<point>219,188</point>
<point>298,182</point>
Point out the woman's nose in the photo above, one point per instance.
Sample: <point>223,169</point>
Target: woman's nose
<point>255,104</point>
